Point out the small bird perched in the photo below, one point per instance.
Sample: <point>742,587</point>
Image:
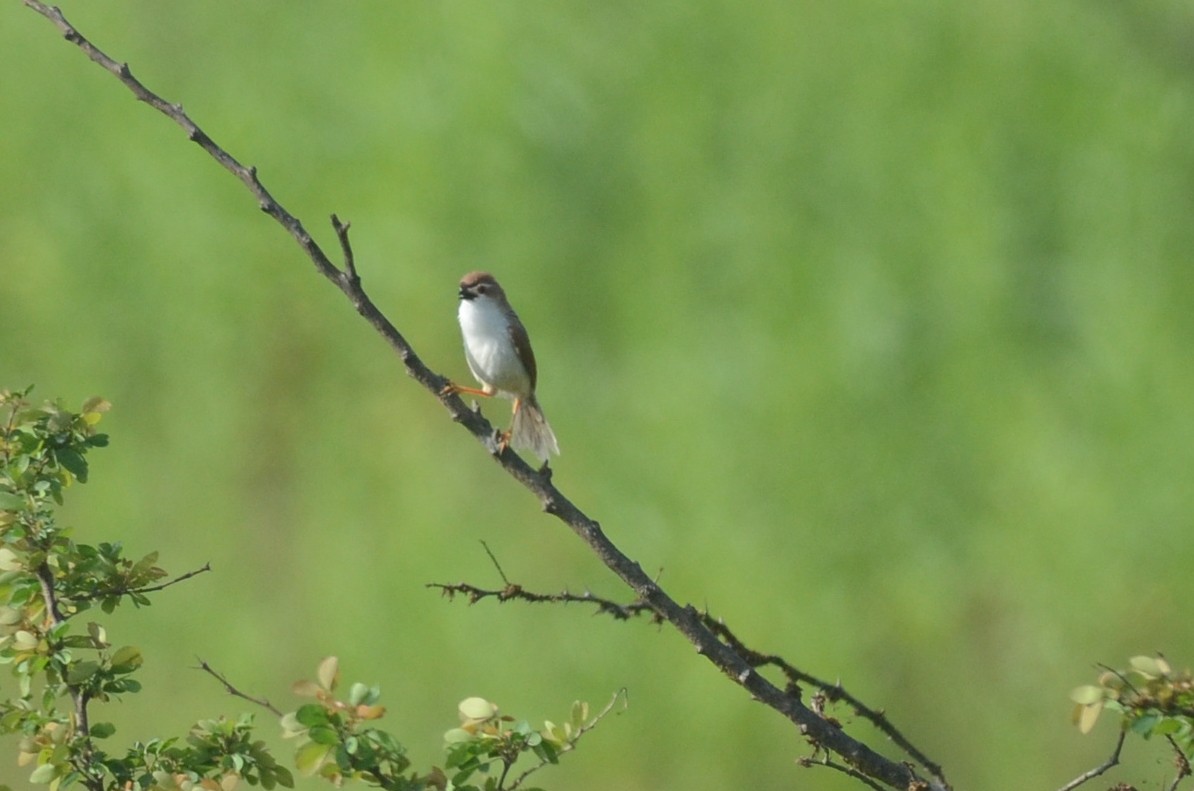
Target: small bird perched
<point>499,355</point>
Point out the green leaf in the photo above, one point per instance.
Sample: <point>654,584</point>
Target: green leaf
<point>1166,726</point>
<point>11,502</point>
<point>73,462</point>
<point>309,757</point>
<point>102,730</point>
<point>357,694</point>
<point>284,777</point>
<point>323,734</point>
<point>457,735</point>
<point>80,672</point>
<point>311,714</point>
<point>1144,725</point>
<point>126,659</point>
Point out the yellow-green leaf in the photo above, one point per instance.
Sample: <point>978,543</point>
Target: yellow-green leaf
<point>1146,666</point>
<point>9,560</point>
<point>329,673</point>
<point>24,640</point>
<point>310,757</point>
<point>478,709</point>
<point>126,659</point>
<point>457,735</point>
<point>1085,696</point>
<point>43,774</point>
<point>1086,716</point>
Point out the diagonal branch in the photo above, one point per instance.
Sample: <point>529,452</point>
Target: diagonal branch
<point>1091,774</point>
<point>233,691</point>
<point>832,692</point>
<point>1180,761</point>
<point>571,743</point>
<point>685,618</point>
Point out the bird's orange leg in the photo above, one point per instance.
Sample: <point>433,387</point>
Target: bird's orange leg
<point>505,437</point>
<point>452,387</point>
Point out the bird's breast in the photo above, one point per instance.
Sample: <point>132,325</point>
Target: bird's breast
<point>488,349</point>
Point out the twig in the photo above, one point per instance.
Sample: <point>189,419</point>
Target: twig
<point>515,592</point>
<point>147,589</point>
<point>496,565</point>
<point>686,620</point>
<point>834,692</point>
<point>581,731</point>
<point>846,770</point>
<point>1180,761</point>
<point>1090,774</point>
<point>350,266</point>
<point>231,690</point>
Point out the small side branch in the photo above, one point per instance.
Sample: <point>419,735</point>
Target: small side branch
<point>1090,774</point>
<point>833,693</point>
<point>571,745</point>
<point>622,612</point>
<point>515,592</point>
<point>829,763</point>
<point>1180,761</point>
<point>103,594</point>
<point>233,691</point>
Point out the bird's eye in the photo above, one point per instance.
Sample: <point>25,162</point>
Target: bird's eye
<point>483,288</point>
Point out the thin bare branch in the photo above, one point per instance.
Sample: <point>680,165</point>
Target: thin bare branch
<point>515,592</point>
<point>496,565</point>
<point>828,763</point>
<point>1090,774</point>
<point>103,594</point>
<point>571,743</point>
<point>231,690</point>
<point>1180,761</point>
<point>686,620</point>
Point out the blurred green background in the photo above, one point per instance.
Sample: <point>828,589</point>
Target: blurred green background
<point>868,325</point>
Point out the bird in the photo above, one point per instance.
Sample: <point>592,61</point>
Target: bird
<point>498,352</point>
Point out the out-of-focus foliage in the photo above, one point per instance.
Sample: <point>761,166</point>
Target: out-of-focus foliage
<point>1151,698</point>
<point>60,673</point>
<point>60,669</point>
<point>867,324</point>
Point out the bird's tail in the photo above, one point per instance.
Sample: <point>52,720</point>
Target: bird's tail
<point>530,430</point>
